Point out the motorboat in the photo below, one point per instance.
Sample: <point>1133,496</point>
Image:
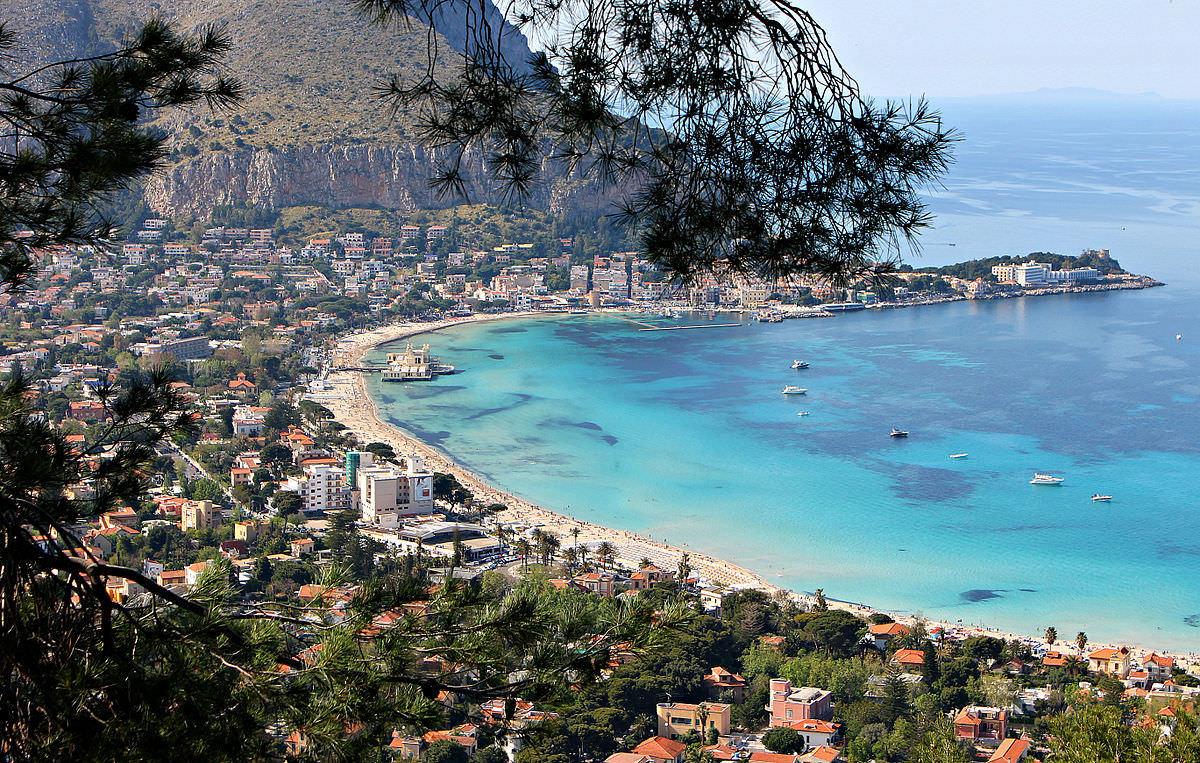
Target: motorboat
<point>802,413</point>
<point>1099,497</point>
<point>1046,479</point>
<point>958,455</point>
<point>792,389</point>
<point>899,432</point>
<point>799,364</point>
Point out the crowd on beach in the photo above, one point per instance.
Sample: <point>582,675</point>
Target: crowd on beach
<point>347,397</point>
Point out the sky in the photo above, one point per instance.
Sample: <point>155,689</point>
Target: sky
<point>899,48</point>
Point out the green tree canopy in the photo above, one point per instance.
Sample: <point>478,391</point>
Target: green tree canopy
<point>783,739</point>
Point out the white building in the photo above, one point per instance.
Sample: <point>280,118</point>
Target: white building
<point>389,493</point>
<point>1031,273</point>
<point>322,487</point>
<point>1074,275</point>
<point>248,420</point>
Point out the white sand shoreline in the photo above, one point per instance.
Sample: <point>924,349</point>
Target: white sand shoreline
<point>353,407</point>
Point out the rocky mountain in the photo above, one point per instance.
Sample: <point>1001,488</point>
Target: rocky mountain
<point>312,130</point>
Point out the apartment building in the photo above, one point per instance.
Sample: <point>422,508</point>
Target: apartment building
<point>387,494</point>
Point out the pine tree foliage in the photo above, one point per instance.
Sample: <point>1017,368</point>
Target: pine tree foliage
<point>740,143</point>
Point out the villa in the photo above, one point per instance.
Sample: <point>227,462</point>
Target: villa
<point>981,724</point>
<point>1112,661</point>
<point>788,705</point>
<point>676,719</point>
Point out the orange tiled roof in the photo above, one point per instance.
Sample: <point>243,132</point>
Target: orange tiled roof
<point>888,629</point>
<point>909,657</point>
<point>660,747</point>
<point>812,724</point>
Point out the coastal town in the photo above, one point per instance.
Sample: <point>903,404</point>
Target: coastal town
<point>291,472</point>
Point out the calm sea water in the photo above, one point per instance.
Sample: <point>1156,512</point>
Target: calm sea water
<point>684,435</point>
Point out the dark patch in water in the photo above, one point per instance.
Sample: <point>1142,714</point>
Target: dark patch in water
<point>452,348</point>
<point>425,435</point>
<point>1192,621</point>
<point>432,390</point>
<point>1168,550</point>
<point>486,412</point>
<point>508,330</point>
<point>925,484</point>
<point>588,425</point>
<point>1028,590</point>
<point>609,439</point>
<point>902,549</point>
<point>980,594</point>
<point>1016,529</point>
<point>496,357</point>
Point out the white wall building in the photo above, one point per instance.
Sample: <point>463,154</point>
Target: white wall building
<point>323,486</point>
<point>1031,273</point>
<point>389,493</point>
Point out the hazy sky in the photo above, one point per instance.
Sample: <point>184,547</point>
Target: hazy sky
<point>967,47</point>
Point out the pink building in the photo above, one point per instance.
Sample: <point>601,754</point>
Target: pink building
<point>790,705</point>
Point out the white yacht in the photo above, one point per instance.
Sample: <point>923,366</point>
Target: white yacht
<point>1101,497</point>
<point>958,455</point>
<point>799,364</point>
<point>792,389</point>
<point>1046,479</point>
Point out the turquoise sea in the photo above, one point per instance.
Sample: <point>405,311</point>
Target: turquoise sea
<point>684,435</point>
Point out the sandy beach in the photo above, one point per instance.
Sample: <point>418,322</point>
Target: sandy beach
<point>347,397</point>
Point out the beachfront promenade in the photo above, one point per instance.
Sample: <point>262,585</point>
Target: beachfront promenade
<point>351,405</point>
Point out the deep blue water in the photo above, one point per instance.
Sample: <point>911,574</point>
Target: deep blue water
<point>684,435</point>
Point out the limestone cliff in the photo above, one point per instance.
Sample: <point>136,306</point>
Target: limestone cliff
<point>392,176</point>
<point>311,131</point>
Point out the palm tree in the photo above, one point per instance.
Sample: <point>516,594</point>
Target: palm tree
<point>684,571</point>
<point>546,544</point>
<point>571,557</point>
<point>1073,665</point>
<point>1081,641</point>
<point>645,563</point>
<point>604,552</point>
<point>502,534</point>
<point>1051,636</point>
<point>575,536</point>
<point>523,547</point>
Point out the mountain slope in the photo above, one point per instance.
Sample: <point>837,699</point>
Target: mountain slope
<point>312,130</point>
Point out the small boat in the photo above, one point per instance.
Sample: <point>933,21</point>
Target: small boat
<point>1178,336</point>
<point>1099,497</point>
<point>792,389</point>
<point>802,413</point>
<point>1046,479</point>
<point>799,364</point>
<point>898,432</point>
<point>958,455</point>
